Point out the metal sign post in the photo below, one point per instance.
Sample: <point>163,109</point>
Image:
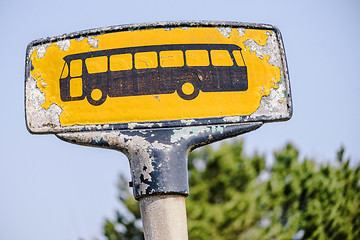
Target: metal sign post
<point>155,92</point>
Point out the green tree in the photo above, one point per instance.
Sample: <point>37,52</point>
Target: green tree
<point>234,196</point>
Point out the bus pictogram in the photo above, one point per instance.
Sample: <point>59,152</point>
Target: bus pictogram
<point>153,70</point>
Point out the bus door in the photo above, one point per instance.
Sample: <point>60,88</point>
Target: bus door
<point>121,75</point>
<point>223,70</point>
<point>172,70</point>
<point>96,79</point>
<point>239,72</point>
<point>198,63</point>
<point>147,73</point>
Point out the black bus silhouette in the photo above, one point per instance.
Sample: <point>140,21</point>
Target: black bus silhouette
<point>153,70</point>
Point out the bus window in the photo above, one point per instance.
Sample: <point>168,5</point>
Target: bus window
<point>171,58</point>
<point>65,71</point>
<point>220,58</point>
<point>197,58</point>
<point>238,58</point>
<point>76,68</point>
<point>76,87</point>
<point>96,64</point>
<point>121,62</point>
<point>146,60</point>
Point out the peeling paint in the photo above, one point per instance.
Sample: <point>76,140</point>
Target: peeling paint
<point>64,44</point>
<point>93,42</point>
<point>138,149</point>
<point>131,125</point>
<point>219,129</point>
<point>225,31</point>
<point>160,146</point>
<point>269,49</point>
<point>232,119</point>
<point>140,125</point>
<point>80,39</point>
<point>98,139</point>
<point>187,133</point>
<point>273,104</point>
<point>37,116</point>
<point>241,31</point>
<point>188,122</point>
<point>41,50</point>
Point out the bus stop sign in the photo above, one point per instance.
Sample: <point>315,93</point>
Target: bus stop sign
<point>159,75</point>
<point>155,92</point>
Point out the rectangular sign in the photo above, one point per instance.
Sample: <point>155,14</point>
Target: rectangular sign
<point>156,75</point>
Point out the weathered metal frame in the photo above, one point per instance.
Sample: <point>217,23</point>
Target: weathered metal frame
<point>158,157</point>
<point>167,123</point>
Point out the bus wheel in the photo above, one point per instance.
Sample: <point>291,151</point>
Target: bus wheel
<point>188,90</point>
<point>96,97</point>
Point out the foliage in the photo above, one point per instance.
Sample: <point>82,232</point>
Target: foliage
<point>126,226</point>
<point>233,196</point>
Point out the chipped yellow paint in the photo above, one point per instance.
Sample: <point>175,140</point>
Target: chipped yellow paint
<point>258,38</point>
<point>262,77</point>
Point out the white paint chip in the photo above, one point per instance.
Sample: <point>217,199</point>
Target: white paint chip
<point>241,31</point>
<point>41,50</point>
<point>93,42</point>
<point>225,31</point>
<point>64,44</point>
<point>39,118</point>
<point>271,49</point>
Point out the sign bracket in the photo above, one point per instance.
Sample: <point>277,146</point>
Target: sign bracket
<point>158,157</point>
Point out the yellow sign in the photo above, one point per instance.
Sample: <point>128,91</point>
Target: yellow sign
<point>164,75</point>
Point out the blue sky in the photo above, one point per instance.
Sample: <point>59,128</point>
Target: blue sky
<point>50,189</point>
